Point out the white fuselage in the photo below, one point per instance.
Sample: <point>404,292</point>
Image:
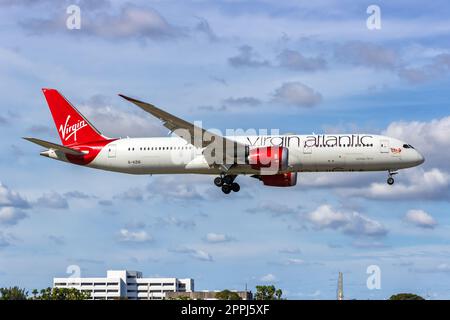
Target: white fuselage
<point>343,152</point>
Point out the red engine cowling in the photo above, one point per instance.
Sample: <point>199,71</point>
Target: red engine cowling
<point>288,179</point>
<point>274,159</point>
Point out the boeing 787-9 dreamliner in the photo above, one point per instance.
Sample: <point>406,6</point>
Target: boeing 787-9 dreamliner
<point>274,159</point>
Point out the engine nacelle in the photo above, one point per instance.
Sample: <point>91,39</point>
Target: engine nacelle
<point>271,159</point>
<point>288,179</point>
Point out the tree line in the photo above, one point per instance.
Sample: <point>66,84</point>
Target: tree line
<point>262,293</point>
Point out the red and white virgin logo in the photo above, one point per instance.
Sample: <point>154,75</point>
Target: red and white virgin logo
<point>68,131</point>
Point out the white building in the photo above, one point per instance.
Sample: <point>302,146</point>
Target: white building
<point>124,284</point>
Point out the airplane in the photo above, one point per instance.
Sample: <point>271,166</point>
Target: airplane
<point>273,159</point>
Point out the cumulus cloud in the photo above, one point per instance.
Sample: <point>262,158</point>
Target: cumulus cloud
<point>375,56</point>
<point>437,67</point>
<point>5,240</point>
<point>11,198</point>
<point>52,200</point>
<point>420,219</point>
<point>268,278</point>
<point>275,209</point>
<point>176,187</point>
<point>126,235</point>
<point>130,22</point>
<point>337,179</point>
<point>429,137</point>
<point>419,184</point>
<point>194,253</point>
<point>204,27</point>
<point>294,261</point>
<point>247,57</point>
<point>294,60</point>
<point>114,122</point>
<point>78,195</point>
<point>177,222</point>
<point>351,223</point>
<point>217,238</point>
<point>242,101</point>
<point>11,206</point>
<point>132,194</point>
<point>297,94</point>
<point>367,54</point>
<point>11,216</point>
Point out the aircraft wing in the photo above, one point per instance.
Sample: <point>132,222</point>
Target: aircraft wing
<point>54,146</point>
<point>196,136</point>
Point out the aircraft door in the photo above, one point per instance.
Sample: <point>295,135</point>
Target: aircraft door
<point>112,151</point>
<point>384,146</point>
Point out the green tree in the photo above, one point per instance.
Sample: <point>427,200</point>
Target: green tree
<point>62,294</point>
<point>35,292</point>
<point>406,296</point>
<point>227,295</point>
<point>268,293</point>
<point>13,293</point>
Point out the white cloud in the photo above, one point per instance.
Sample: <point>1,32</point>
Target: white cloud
<point>5,240</point>
<point>113,122</point>
<point>352,223</point>
<point>430,138</point>
<point>174,221</point>
<point>197,254</point>
<point>130,22</point>
<point>294,261</point>
<point>437,67</point>
<point>11,216</point>
<point>52,200</point>
<point>247,57</point>
<point>217,238</point>
<point>420,218</point>
<point>126,235</point>
<point>132,194</point>
<point>11,198</point>
<point>294,60</point>
<point>276,209</point>
<point>367,54</point>
<point>297,94</point>
<point>419,184</point>
<point>268,278</point>
<point>177,187</point>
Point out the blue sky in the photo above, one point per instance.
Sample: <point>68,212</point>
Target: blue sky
<point>298,67</point>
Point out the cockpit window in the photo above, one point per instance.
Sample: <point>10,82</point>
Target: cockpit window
<point>411,146</point>
<point>406,146</point>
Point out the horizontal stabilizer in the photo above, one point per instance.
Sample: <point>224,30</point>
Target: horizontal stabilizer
<point>54,146</point>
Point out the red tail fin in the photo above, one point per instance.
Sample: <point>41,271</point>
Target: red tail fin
<point>72,126</point>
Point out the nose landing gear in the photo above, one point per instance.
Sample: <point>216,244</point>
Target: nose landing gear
<point>226,182</point>
<point>390,180</point>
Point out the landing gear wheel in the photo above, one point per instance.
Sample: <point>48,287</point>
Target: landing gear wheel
<point>235,187</point>
<point>226,188</point>
<point>228,179</point>
<point>218,181</point>
<point>390,181</point>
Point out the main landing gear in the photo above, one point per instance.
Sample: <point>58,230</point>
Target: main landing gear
<point>226,182</point>
<point>390,180</point>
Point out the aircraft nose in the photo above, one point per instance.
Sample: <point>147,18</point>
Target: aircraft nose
<point>420,158</point>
